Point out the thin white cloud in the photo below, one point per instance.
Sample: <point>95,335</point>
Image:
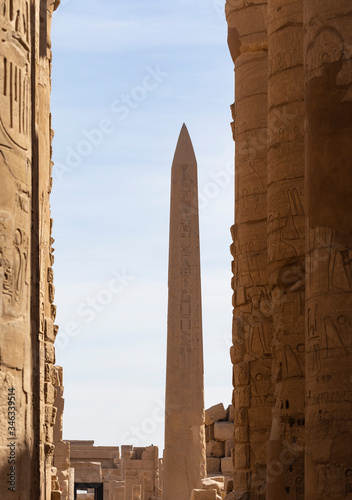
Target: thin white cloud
<point>104,35</point>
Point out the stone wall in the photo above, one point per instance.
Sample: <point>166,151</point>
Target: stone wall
<point>219,433</point>
<point>132,476</point>
<point>27,310</point>
<point>141,470</point>
<point>62,462</point>
<point>292,248</point>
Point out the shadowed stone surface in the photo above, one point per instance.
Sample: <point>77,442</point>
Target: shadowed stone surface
<point>328,78</point>
<point>286,244</point>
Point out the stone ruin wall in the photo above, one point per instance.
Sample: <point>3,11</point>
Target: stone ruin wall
<point>64,480</point>
<point>219,440</point>
<point>292,248</point>
<point>136,473</point>
<point>126,473</point>
<point>27,310</point>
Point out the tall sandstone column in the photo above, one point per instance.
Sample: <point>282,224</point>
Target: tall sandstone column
<point>16,361</point>
<point>286,247</point>
<point>184,454</point>
<point>252,321</point>
<point>328,95</point>
<point>42,182</point>
<point>27,313</point>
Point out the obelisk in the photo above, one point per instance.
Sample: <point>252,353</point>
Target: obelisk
<point>184,454</point>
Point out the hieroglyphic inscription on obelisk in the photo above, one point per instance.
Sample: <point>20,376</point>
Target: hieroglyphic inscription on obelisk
<point>184,456</point>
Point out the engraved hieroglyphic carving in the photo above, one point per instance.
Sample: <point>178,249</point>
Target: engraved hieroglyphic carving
<point>334,344</point>
<point>186,268</point>
<point>25,296</point>
<point>14,67</point>
<point>15,242</point>
<point>286,233</point>
<point>286,241</point>
<point>252,324</point>
<point>329,284</point>
<point>340,268</point>
<point>184,454</point>
<point>334,480</point>
<point>329,395</point>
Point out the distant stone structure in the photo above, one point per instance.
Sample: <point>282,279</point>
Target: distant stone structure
<point>104,472</point>
<point>27,310</point>
<point>136,473</point>
<point>184,453</point>
<point>292,248</point>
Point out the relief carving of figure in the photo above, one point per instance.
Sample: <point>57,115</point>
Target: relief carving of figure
<point>20,264</point>
<point>5,255</point>
<point>331,479</point>
<point>286,233</point>
<point>262,389</point>
<point>8,278</point>
<point>348,478</point>
<point>258,342</point>
<point>323,485</point>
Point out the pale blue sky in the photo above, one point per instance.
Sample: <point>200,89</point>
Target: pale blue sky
<point>126,75</point>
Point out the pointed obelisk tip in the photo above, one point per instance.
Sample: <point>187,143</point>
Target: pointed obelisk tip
<point>184,130</point>
<point>184,150</point>
<point>184,134</point>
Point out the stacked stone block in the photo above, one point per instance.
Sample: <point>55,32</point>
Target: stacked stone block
<point>62,462</point>
<point>219,432</point>
<point>204,494</point>
<point>141,469</point>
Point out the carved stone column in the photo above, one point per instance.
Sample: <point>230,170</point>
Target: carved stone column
<point>26,279</point>
<point>286,246</point>
<point>328,94</point>
<point>252,325</point>
<point>42,186</point>
<point>16,362</point>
